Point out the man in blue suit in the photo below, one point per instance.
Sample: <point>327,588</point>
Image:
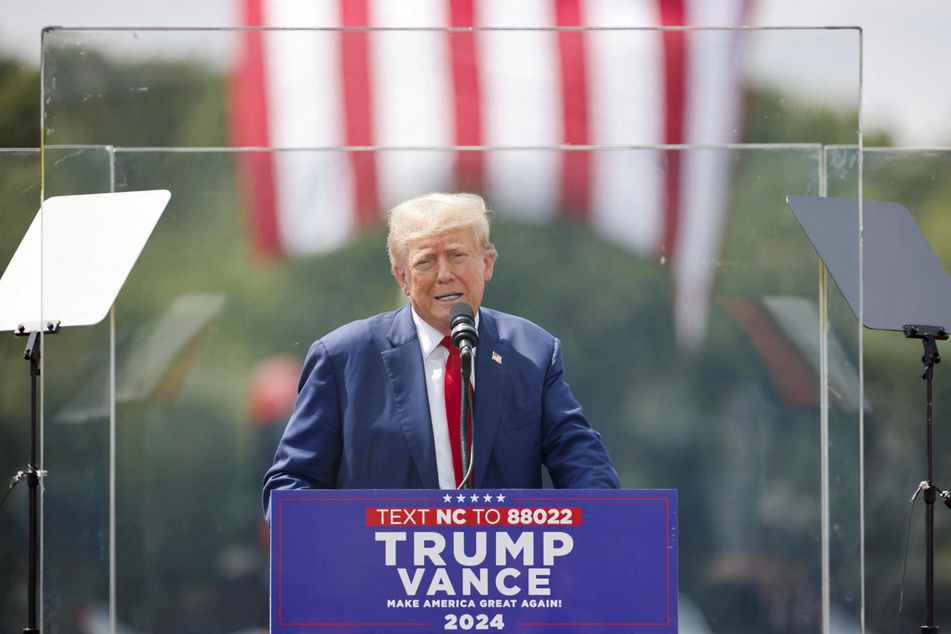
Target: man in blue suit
<point>371,414</point>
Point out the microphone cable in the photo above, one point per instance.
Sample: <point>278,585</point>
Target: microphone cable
<point>467,476</point>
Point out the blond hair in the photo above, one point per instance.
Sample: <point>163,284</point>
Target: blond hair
<point>435,213</point>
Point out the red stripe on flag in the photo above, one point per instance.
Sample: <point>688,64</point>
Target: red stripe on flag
<point>357,97</point>
<point>249,128</point>
<point>672,13</point>
<point>575,165</point>
<point>467,95</point>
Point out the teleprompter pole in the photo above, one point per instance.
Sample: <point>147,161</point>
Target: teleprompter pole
<point>929,336</point>
<point>33,482</point>
<point>33,475</point>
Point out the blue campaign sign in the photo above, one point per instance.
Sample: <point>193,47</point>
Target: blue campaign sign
<point>533,561</point>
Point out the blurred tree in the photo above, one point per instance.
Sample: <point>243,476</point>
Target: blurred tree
<point>98,102</point>
<point>19,105</point>
<point>774,117</point>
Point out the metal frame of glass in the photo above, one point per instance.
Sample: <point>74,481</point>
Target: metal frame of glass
<point>761,240</point>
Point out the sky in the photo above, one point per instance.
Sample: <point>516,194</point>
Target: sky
<point>906,46</point>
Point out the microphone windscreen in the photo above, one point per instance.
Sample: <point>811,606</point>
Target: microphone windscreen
<point>460,310</point>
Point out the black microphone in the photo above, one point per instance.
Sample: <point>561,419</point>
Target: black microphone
<point>462,323</point>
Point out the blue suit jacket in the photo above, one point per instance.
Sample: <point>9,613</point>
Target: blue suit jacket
<point>362,416</point>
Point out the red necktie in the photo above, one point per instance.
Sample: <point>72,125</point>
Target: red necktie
<point>452,380</point>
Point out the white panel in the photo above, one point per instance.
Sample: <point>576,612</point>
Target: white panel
<point>79,250</point>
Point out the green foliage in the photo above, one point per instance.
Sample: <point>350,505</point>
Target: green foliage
<point>19,106</point>
<point>777,118</point>
<point>92,101</point>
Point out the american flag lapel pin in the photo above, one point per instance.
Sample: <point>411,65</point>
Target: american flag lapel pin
<point>497,357</point>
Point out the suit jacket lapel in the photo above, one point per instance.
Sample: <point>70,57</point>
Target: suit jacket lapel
<point>490,388</point>
<point>406,377</point>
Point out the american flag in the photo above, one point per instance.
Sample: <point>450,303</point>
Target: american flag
<point>507,98</point>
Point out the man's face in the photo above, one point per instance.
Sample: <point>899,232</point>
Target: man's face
<point>443,269</point>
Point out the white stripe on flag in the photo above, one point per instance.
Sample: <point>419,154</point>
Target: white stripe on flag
<point>314,188</point>
<point>521,106</point>
<point>627,108</point>
<point>713,109</point>
<point>412,86</point>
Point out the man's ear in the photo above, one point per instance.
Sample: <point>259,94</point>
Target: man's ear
<point>402,278</point>
<point>489,265</point>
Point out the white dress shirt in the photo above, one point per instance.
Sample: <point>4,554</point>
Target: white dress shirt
<point>434,364</point>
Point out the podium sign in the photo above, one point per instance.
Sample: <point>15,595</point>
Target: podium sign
<point>532,561</point>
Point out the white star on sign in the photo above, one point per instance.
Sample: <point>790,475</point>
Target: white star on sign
<point>447,498</point>
<point>461,498</point>
<point>488,498</point>
<point>501,498</point>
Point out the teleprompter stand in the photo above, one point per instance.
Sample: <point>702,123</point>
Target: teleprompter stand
<point>71,263</point>
<point>929,336</point>
<point>33,474</point>
<point>902,286</point>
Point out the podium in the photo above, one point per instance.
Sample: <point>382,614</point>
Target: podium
<point>509,560</point>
